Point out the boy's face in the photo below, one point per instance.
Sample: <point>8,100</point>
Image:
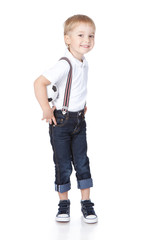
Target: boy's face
<point>80,40</point>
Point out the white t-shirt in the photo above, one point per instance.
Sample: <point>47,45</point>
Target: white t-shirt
<point>58,75</point>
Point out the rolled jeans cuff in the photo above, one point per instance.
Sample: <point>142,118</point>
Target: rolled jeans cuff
<point>63,188</point>
<point>85,183</point>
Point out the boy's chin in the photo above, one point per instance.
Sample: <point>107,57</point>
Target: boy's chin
<point>85,50</point>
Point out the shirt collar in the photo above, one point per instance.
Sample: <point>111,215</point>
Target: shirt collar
<point>69,55</point>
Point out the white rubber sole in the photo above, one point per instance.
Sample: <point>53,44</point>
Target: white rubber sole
<point>63,218</point>
<point>90,220</point>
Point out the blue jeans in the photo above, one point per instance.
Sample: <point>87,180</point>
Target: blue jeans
<point>68,140</point>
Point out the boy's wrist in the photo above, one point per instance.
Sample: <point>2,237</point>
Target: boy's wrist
<point>46,108</point>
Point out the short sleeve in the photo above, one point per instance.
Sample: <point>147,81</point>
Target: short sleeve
<point>58,72</point>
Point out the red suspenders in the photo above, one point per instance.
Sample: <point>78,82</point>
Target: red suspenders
<point>68,88</point>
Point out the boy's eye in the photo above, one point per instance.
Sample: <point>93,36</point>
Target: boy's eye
<point>80,35</point>
<point>91,36</point>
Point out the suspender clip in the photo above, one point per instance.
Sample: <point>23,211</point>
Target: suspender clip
<point>64,110</point>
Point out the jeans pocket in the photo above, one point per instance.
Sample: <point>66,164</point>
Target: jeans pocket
<point>61,120</point>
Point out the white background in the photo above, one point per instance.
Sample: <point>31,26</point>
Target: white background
<point>123,120</point>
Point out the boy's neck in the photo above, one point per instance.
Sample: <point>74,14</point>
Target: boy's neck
<point>80,58</point>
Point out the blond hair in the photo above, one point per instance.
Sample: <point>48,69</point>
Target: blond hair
<point>71,22</point>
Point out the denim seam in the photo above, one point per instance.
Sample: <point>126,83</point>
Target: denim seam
<point>57,165</point>
<point>66,187</point>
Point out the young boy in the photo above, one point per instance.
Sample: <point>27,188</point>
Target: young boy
<point>67,128</point>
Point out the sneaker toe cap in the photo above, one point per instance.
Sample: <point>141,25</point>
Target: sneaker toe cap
<point>62,216</point>
<point>91,217</point>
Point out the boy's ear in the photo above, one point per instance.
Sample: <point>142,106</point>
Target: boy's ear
<point>67,39</point>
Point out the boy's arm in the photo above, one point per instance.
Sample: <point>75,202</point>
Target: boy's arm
<point>41,95</point>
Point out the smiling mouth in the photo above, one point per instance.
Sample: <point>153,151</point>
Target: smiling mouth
<point>85,46</point>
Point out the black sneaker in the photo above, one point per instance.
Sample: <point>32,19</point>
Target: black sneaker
<point>63,214</point>
<point>89,215</point>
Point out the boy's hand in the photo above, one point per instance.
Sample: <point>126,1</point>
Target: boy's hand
<point>85,110</point>
<point>48,114</point>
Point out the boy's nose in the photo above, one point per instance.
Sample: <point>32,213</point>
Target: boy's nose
<point>87,39</point>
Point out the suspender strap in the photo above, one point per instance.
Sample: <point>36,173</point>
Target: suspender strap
<point>68,88</point>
